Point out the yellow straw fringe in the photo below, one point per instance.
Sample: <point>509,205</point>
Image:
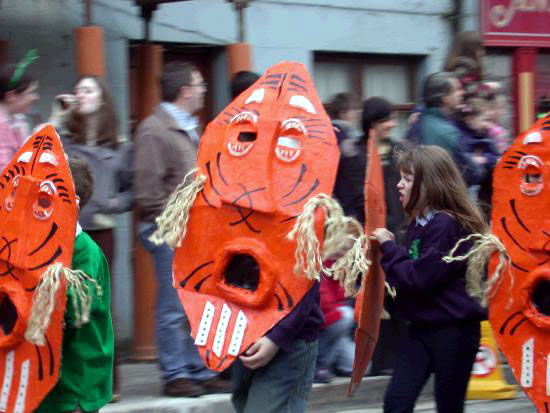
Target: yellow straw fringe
<point>172,223</point>
<point>44,299</point>
<point>484,246</point>
<point>309,259</point>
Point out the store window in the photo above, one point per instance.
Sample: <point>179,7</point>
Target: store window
<point>497,66</point>
<point>369,75</point>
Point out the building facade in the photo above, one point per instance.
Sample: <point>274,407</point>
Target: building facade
<point>370,47</point>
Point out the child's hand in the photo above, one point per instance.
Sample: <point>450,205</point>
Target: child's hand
<point>259,354</point>
<point>382,235</point>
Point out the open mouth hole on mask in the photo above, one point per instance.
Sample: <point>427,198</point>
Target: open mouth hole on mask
<point>247,136</point>
<point>242,271</point>
<point>541,297</point>
<point>8,315</point>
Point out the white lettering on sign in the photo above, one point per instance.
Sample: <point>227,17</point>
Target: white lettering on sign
<point>501,15</point>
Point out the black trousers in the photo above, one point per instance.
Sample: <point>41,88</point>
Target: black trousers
<point>448,351</point>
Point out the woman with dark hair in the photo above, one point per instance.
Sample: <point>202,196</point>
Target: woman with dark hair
<point>18,91</point>
<point>89,130</point>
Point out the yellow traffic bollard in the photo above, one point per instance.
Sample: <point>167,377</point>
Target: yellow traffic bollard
<point>487,381</point>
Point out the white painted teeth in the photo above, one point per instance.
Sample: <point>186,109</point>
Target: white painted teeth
<point>244,117</point>
<point>286,155</point>
<point>287,148</point>
<point>237,335</point>
<point>293,123</point>
<point>237,149</point>
<point>527,363</point>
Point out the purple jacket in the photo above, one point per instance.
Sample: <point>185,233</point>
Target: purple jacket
<point>303,322</point>
<point>428,289</point>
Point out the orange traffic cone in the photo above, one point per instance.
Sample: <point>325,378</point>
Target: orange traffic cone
<point>487,381</point>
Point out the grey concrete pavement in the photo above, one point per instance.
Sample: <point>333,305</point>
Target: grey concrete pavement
<point>141,393</point>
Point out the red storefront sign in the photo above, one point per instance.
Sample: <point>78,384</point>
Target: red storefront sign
<point>515,23</point>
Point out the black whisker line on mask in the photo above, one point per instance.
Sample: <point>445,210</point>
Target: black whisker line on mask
<point>218,156</point>
<point>505,227</point>
<point>279,302</point>
<point>40,366</point>
<point>205,199</point>
<point>52,232</point>
<point>199,284</point>
<point>514,210</point>
<point>210,178</point>
<point>289,299</point>
<point>303,170</point>
<point>200,267</point>
<point>49,261</point>
<point>244,219</point>
<point>505,323</point>
<point>309,192</point>
<point>51,355</point>
<point>517,267</point>
<point>513,330</point>
<point>247,193</point>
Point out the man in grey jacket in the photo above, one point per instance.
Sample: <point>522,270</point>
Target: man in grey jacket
<point>165,151</point>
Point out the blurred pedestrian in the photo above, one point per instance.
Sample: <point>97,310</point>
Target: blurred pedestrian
<point>165,151</point>
<point>465,59</point>
<point>336,349</point>
<point>497,100</point>
<point>88,127</point>
<point>18,91</point>
<point>241,81</point>
<point>473,122</point>
<point>443,96</point>
<point>444,321</point>
<point>350,179</point>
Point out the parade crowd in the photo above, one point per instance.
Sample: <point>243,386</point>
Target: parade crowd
<point>437,181</point>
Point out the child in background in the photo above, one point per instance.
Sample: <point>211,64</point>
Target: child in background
<point>444,330</point>
<point>85,382</point>
<point>497,101</point>
<point>474,124</point>
<point>336,347</point>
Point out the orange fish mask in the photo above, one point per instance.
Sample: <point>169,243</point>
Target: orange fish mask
<point>270,151</point>
<point>370,301</point>
<point>38,214</point>
<point>519,310</point>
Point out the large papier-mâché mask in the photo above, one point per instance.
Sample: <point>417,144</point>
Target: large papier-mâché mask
<point>264,156</point>
<point>519,311</point>
<point>38,216</point>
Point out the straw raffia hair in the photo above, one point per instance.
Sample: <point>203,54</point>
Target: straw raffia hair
<point>483,247</point>
<point>309,256</point>
<point>44,299</point>
<point>172,222</point>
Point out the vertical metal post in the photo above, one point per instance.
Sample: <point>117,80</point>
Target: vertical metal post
<point>87,12</point>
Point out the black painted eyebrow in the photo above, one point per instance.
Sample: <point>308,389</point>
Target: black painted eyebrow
<point>299,86</point>
<point>296,77</point>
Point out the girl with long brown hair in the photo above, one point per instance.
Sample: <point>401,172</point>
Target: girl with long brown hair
<point>444,321</point>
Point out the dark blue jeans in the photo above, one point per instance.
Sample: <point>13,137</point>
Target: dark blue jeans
<point>448,351</point>
<point>178,356</point>
<point>281,386</point>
